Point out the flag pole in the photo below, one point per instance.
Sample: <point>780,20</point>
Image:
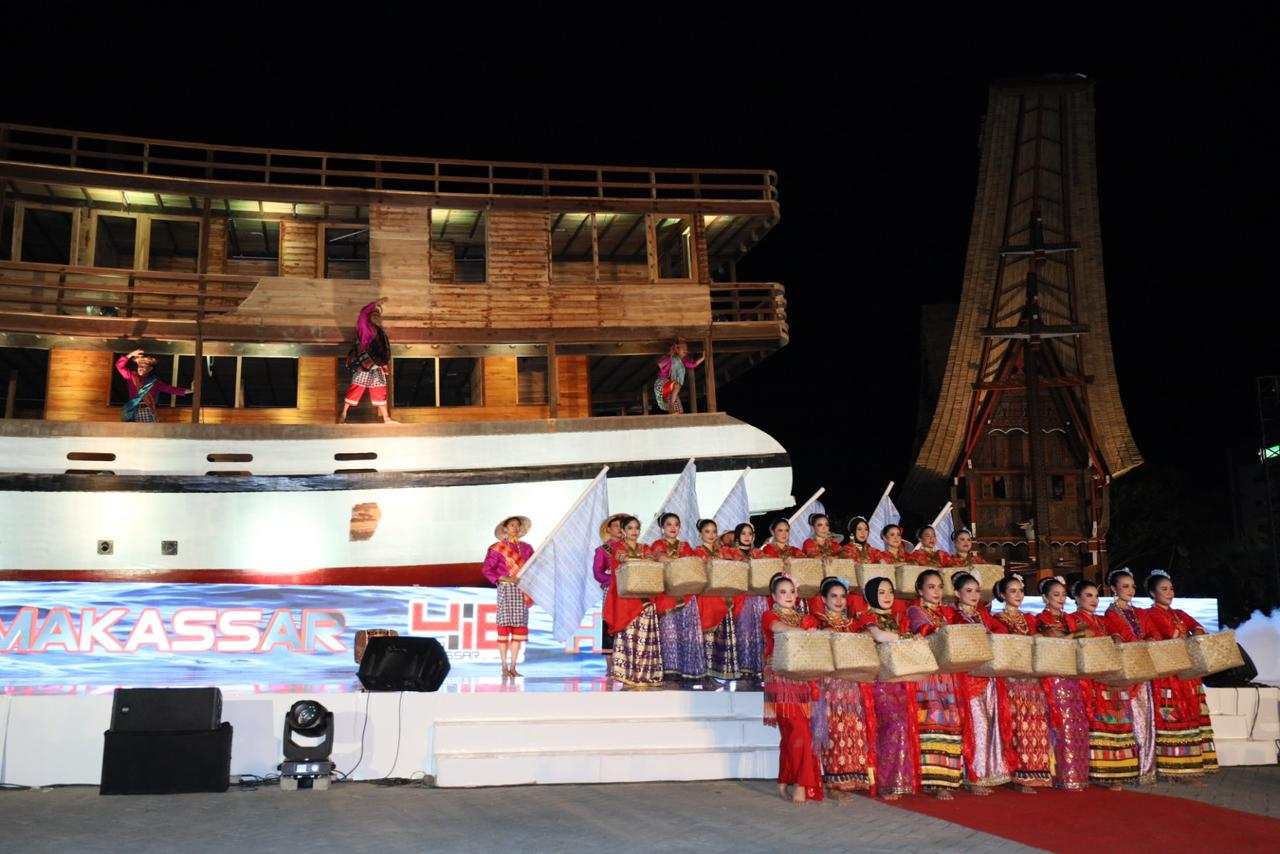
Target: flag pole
<point>800,509</point>
<point>883,496</point>
<point>944,511</point>
<point>563,519</point>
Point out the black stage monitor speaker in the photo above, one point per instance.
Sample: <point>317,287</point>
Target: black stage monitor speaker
<point>1236,677</point>
<point>166,709</point>
<point>166,763</point>
<point>403,664</point>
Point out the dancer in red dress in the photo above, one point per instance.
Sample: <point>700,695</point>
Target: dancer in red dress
<point>719,635</point>
<point>962,550</point>
<point>1024,698</point>
<point>988,730</point>
<point>1068,709</point>
<point>788,702</point>
<point>637,651</point>
<point>1129,624</point>
<point>927,552</point>
<point>823,545</point>
<point>747,616</point>
<point>894,551</point>
<point>680,624</point>
<point>856,548</point>
<point>897,763</point>
<point>944,741</point>
<point>844,722</point>
<point>1113,750</point>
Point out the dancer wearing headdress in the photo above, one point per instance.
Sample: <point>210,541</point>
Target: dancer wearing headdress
<point>672,370</point>
<point>368,362</point>
<point>1068,712</point>
<point>719,634</point>
<point>680,626</point>
<point>844,714</point>
<point>788,702</point>
<point>1024,697</point>
<point>602,569</point>
<point>1113,750</point>
<point>856,548</point>
<point>502,567</point>
<point>961,550</point>
<point>747,617</point>
<point>927,552</point>
<point>988,729</point>
<point>944,739</point>
<point>1130,624</point>
<point>637,649</point>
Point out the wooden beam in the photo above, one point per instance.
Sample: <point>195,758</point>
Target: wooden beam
<point>709,365</point>
<point>692,377</point>
<point>11,395</point>
<point>553,382</point>
<point>202,267</point>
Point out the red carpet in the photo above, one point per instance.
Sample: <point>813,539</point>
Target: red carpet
<point>1098,820</point>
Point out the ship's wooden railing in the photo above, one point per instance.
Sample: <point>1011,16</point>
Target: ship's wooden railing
<point>299,168</point>
<point>69,289</point>
<point>749,302</point>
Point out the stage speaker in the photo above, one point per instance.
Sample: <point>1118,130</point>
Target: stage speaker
<point>403,664</point>
<point>166,709</point>
<point>166,763</point>
<point>1236,677</point>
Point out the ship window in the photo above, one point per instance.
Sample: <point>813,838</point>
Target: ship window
<point>346,251</point>
<point>29,368</point>
<point>260,382</point>
<point>114,242</point>
<point>673,242</point>
<point>268,382</point>
<point>461,382</point>
<point>250,242</point>
<point>414,382</point>
<point>531,380</point>
<point>46,236</point>
<point>623,247</point>
<point>175,245</point>
<point>572,259</point>
<point>459,245</point>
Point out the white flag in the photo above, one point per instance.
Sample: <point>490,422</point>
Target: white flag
<point>683,501</point>
<point>885,514</point>
<point>734,510</point>
<point>558,575</point>
<point>944,526</point>
<point>800,529</point>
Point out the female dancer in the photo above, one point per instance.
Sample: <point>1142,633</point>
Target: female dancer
<point>894,551</point>
<point>637,650</point>
<point>821,544</point>
<point>1184,734</point>
<point>680,628</point>
<point>143,385</point>
<point>942,732</point>
<point>1068,712</point>
<point>747,617</point>
<point>719,637</point>
<point>857,548</point>
<point>989,731</point>
<point>779,545</point>
<point>1113,752</point>
<point>1128,624</point>
<point>787,702</point>
<point>602,569</point>
<point>844,719</point>
<point>502,567</point>
<point>671,376</point>
<point>927,552</point>
<point>368,362</point>
<point>962,550</point>
<point>1028,708</point>
<point>897,746</point>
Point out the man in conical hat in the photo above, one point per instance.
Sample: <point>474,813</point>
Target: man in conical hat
<point>502,566</point>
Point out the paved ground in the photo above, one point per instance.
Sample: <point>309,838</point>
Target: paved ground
<point>738,816</point>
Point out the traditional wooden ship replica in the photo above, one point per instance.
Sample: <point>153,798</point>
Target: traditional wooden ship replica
<point>1022,426</point>
<point>527,304</point>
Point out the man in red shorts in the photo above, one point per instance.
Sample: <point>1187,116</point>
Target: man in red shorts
<point>368,362</point>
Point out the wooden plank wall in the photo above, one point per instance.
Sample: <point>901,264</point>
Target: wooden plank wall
<point>575,386</point>
<point>519,248</point>
<point>500,382</point>
<point>399,241</point>
<point>299,243</point>
<point>217,247</point>
<point>442,264</point>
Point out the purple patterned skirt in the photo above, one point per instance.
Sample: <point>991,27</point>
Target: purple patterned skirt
<point>750,636</point>
<point>1068,733</point>
<point>683,654</point>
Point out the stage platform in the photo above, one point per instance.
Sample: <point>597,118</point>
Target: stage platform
<point>480,731</point>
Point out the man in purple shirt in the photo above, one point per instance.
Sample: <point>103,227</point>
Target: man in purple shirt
<point>143,386</point>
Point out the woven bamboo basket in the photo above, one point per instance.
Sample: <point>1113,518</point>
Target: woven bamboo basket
<point>807,573</point>
<point>842,567</point>
<point>640,579</point>
<point>1011,655</point>
<point>1097,657</point>
<point>987,574</point>
<point>961,647</point>
<point>1212,654</point>
<point>1135,665</point>
<point>855,656</point>
<point>868,571</point>
<point>727,577</point>
<point>906,575</point>
<point>1054,657</point>
<point>906,659</point>
<point>1170,657</point>
<point>803,655</point>
<point>763,569</point>
<point>686,575</point>
<point>362,639</point>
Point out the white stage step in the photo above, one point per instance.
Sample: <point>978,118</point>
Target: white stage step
<point>1246,724</point>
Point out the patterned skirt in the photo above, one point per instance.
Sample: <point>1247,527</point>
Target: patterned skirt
<point>683,654</point>
<point>374,377</point>
<point>1144,731</point>
<point>720,646</point>
<point>1184,735</point>
<point>637,654</point>
<point>1030,714</point>
<point>989,766</point>
<point>941,734</point>
<point>750,637</point>
<point>1113,749</point>
<point>895,764</point>
<point>144,415</point>
<point>1069,733</point>
<point>511,608</point>
<point>844,741</point>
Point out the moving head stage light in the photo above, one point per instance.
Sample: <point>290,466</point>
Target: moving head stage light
<point>306,763</point>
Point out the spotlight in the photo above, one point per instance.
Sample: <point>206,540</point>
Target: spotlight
<point>306,763</point>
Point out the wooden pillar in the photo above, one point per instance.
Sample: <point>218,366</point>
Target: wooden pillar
<point>202,267</point>
<point>709,364</point>
<point>644,398</point>
<point>11,395</point>
<point>553,381</point>
<point>692,377</point>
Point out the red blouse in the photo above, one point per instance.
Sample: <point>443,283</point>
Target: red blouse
<point>1096,625</point>
<point>936,558</point>
<point>860,552</point>
<point>712,609</point>
<point>807,621</point>
<point>1168,623</point>
<point>772,549</point>
<point>966,559</point>
<point>925,619</point>
<point>890,556</point>
<point>620,611</point>
<point>1063,622</point>
<point>980,615</point>
<point>1121,627</point>
<point>895,620</point>
<point>1011,622</point>
<point>813,548</point>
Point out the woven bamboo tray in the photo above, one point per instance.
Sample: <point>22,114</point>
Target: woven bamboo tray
<point>1212,654</point>
<point>1135,665</point>
<point>803,654</point>
<point>905,577</point>
<point>842,567</point>
<point>961,648</point>
<point>807,573</point>
<point>1170,657</point>
<point>855,656</point>
<point>763,569</point>
<point>987,574</point>
<point>1054,657</point>
<point>868,571</point>
<point>1097,657</point>
<point>685,575</point>
<point>906,659</point>
<point>727,577</point>
<point>640,579</point>
<point>1011,655</point>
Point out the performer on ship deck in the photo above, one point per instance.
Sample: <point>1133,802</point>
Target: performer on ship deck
<point>502,567</point>
<point>671,376</point>
<point>143,386</point>
<point>368,362</point>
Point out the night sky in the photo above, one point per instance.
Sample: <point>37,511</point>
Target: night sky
<point>877,163</point>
